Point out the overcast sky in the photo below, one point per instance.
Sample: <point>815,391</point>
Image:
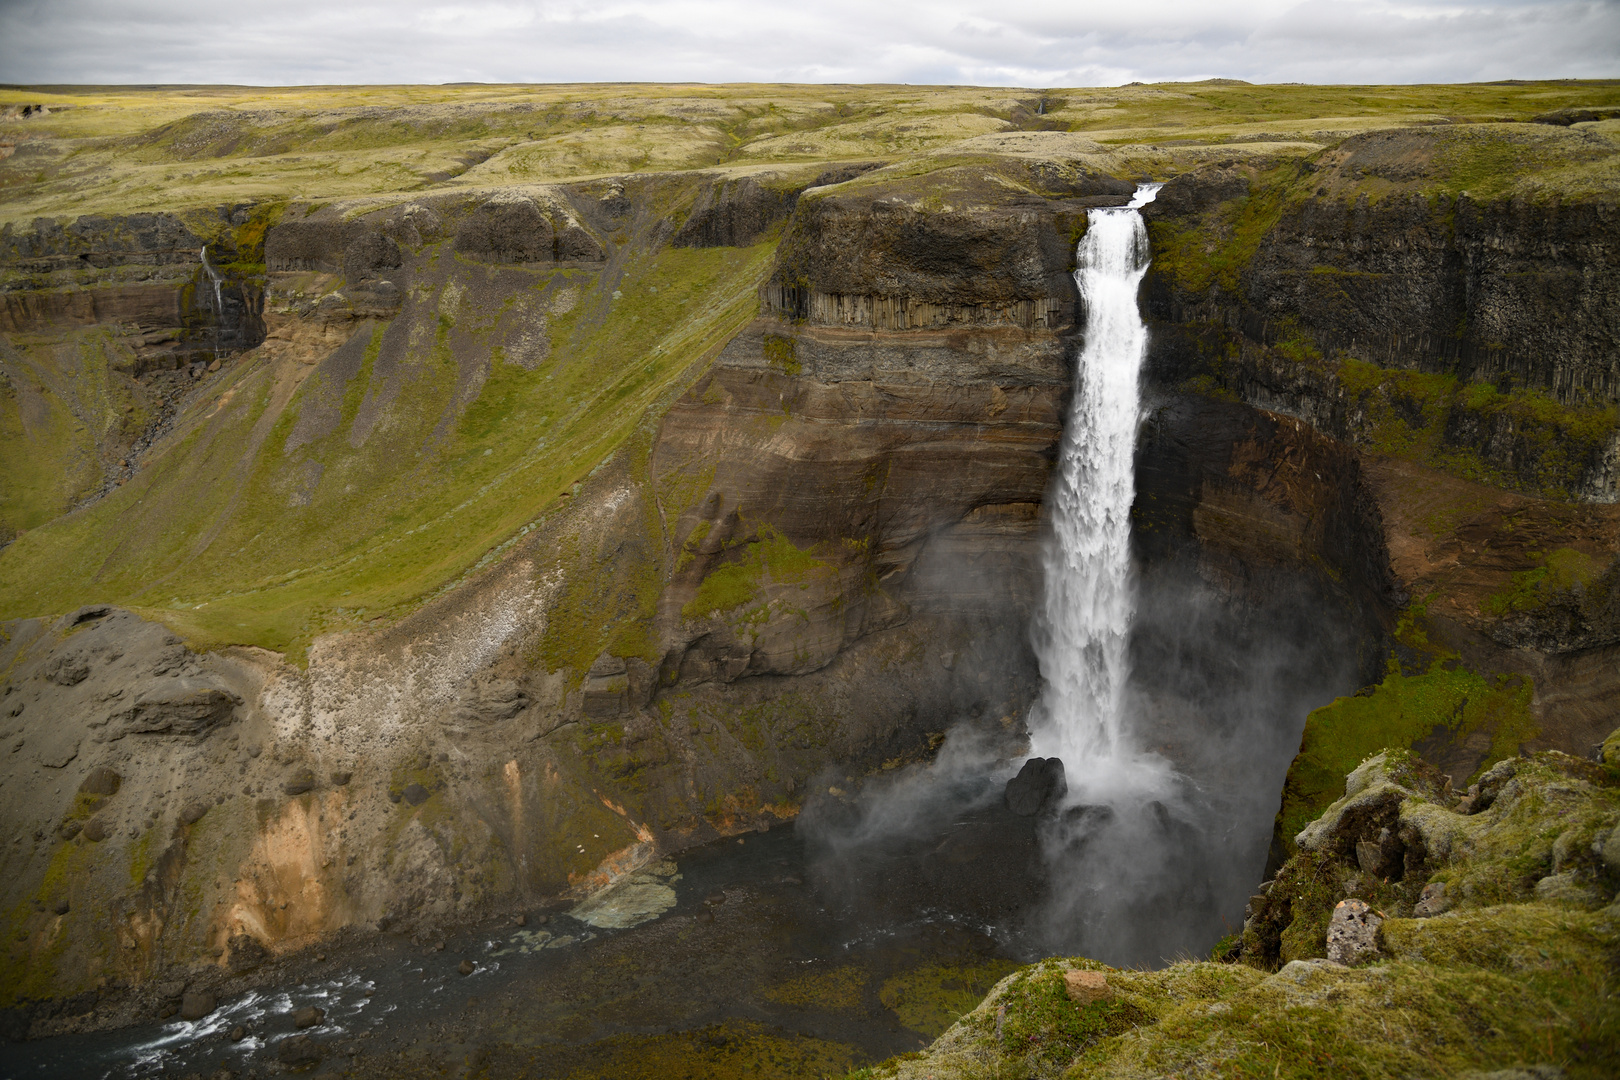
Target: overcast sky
<point>1011,42</point>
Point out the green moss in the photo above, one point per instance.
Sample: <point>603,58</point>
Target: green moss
<point>782,354</point>
<point>1562,570</point>
<point>770,557</point>
<point>1400,711</point>
<point>1216,251</point>
<point>140,857</point>
<point>931,998</point>
<point>1408,414</point>
<point>838,989</point>
<point>1043,1026</point>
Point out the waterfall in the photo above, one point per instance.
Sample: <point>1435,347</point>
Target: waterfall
<point>219,303</point>
<point>213,276</point>
<point>1081,632</point>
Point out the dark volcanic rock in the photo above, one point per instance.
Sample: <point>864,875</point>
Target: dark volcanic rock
<point>195,1006</point>
<point>1038,784</point>
<point>102,781</point>
<point>735,214</point>
<point>309,1016</point>
<point>186,708</point>
<point>416,794</point>
<point>301,781</point>
<point>509,228</point>
<point>299,1051</point>
<point>246,953</point>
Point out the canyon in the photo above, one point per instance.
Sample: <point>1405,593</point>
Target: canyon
<point>483,541</point>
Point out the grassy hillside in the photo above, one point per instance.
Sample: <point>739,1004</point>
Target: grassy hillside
<point>287,504</point>
<point>117,150</point>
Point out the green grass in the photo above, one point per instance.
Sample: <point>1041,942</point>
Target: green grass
<point>122,149</point>
<point>1400,711</point>
<point>771,557</point>
<point>255,526</point>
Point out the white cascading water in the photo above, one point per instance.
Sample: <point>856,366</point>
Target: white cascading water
<point>213,276</point>
<point>1089,603</point>
<point>219,302</point>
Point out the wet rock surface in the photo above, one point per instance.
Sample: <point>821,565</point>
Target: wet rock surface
<point>1040,784</point>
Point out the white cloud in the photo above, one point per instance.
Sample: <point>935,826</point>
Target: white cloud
<point>1031,43</point>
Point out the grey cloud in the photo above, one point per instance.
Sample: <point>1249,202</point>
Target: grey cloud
<point>1030,44</point>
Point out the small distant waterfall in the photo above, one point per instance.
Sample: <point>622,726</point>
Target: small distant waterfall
<point>1082,630</point>
<point>219,302</point>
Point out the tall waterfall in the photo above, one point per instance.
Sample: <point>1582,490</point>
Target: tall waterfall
<point>1081,634</point>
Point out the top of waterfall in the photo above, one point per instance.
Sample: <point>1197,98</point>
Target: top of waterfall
<point>1144,194</point>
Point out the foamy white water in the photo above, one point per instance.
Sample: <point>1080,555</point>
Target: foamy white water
<point>1086,618</point>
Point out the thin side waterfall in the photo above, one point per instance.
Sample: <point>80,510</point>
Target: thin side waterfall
<point>1082,631</point>
<point>219,302</point>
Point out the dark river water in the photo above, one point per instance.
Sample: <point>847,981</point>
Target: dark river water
<point>765,966</point>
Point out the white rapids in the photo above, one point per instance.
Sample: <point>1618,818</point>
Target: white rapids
<point>1083,627</point>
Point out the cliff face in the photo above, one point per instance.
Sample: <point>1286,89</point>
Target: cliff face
<point>1366,291</point>
<point>1455,329</point>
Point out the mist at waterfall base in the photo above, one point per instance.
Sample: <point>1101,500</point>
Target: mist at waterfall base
<point>1174,706</point>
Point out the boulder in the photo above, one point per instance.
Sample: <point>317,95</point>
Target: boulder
<point>95,830</point>
<point>341,777</point>
<point>245,953</point>
<point>309,1016</point>
<point>300,782</point>
<point>301,1051</point>
<point>1352,936</point>
<point>1086,987</point>
<point>193,812</point>
<point>102,782</point>
<point>1039,783</point>
<point>416,794</point>
<point>196,1005</point>
<point>467,967</point>
<point>1432,901</point>
<point>68,670</point>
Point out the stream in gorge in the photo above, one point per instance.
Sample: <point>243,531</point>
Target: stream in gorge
<point>863,930</point>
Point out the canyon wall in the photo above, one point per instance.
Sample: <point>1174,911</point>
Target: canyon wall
<point>548,529</point>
